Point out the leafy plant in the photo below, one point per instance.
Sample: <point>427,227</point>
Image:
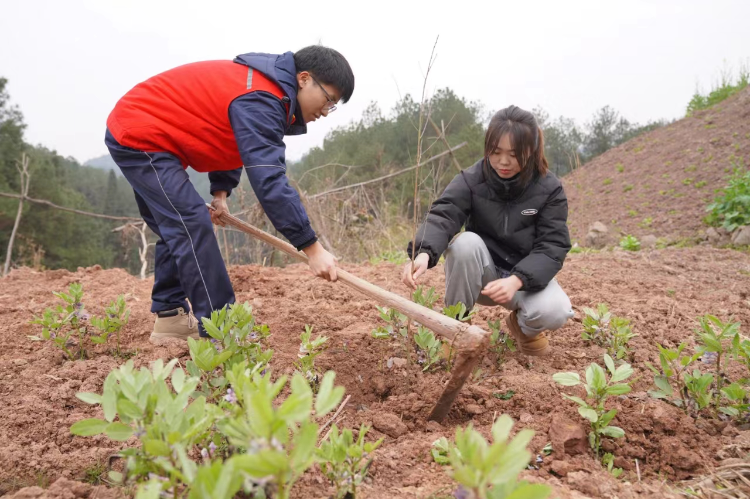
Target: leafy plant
<point>723,343</point>
<point>167,423</point>
<point>276,441</point>
<point>604,329</point>
<point>738,400</point>
<point>235,337</point>
<point>608,460</point>
<point>598,389</point>
<point>490,471</point>
<point>430,348</point>
<point>500,342</point>
<point>308,350</point>
<point>630,243</point>
<point>345,461</point>
<point>732,208</point>
<point>425,298</point>
<point>265,443</point>
<point>671,378</point>
<point>60,323</point>
<point>115,318</point>
<point>459,312</point>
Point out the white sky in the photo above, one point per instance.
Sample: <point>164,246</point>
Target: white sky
<point>68,61</point>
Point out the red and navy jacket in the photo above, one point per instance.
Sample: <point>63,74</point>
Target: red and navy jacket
<point>220,117</point>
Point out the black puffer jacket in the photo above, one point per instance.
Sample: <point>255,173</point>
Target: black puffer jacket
<point>524,228</point>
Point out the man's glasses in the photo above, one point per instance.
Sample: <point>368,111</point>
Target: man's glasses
<point>331,102</point>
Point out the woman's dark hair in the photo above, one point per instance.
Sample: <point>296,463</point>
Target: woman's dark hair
<point>328,66</point>
<point>525,136</point>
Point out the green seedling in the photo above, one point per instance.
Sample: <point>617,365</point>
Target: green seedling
<point>598,389</point>
<point>140,403</point>
<point>670,380</point>
<point>276,441</point>
<point>425,298</point>
<point>308,350</point>
<point>500,342</point>
<point>115,318</point>
<point>604,329</point>
<point>732,208</point>
<point>718,341</point>
<point>630,243</point>
<point>64,321</point>
<point>430,348</point>
<point>737,398</point>
<point>489,470</point>
<point>235,337</point>
<point>458,312</point>
<point>608,460</point>
<point>345,461</point>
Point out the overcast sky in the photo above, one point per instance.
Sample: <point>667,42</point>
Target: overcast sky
<point>69,61</point>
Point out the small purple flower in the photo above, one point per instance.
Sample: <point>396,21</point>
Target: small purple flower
<point>254,336</point>
<point>230,397</point>
<point>52,335</point>
<point>263,372</point>
<point>212,448</point>
<point>139,432</point>
<point>709,357</point>
<point>462,493</point>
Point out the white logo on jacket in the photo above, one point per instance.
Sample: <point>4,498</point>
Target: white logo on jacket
<point>529,212</point>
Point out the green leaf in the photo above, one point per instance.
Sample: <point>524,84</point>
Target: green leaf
<point>178,379</point>
<point>662,383</point>
<point>624,371</point>
<point>567,379</point>
<point>89,398</point>
<point>118,431</point>
<point>530,491</point>
<point>729,411</point>
<point>609,363</point>
<point>596,377</point>
<point>612,431</point>
<point>328,396</point>
<point>262,464</point>
<point>304,444</point>
<point>156,447</point>
<point>588,413</point>
<point>88,427</point>
<point>618,389</point>
<point>128,409</point>
<point>577,400</point>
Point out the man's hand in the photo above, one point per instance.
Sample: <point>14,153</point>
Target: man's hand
<point>502,290</point>
<point>410,275</point>
<point>219,205</point>
<point>321,262</point>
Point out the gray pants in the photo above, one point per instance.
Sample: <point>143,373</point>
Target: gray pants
<point>469,268</point>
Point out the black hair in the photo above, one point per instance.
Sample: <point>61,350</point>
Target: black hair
<point>327,66</point>
<point>526,138</point>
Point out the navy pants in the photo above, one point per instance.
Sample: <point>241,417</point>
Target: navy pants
<point>188,261</point>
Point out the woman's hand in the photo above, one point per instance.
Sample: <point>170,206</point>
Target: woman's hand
<point>219,205</point>
<point>502,290</point>
<point>410,275</point>
<point>321,262</point>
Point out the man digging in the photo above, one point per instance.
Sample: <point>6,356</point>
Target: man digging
<point>219,117</point>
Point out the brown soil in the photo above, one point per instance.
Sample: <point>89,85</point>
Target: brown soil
<point>668,175</point>
<point>662,291</point>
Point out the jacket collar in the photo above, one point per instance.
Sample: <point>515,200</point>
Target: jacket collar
<point>281,70</point>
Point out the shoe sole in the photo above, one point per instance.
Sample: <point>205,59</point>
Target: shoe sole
<point>520,337</point>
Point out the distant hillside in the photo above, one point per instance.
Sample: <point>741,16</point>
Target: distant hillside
<point>199,180</point>
<point>660,182</point>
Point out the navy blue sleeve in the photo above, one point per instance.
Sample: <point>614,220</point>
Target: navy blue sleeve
<point>259,121</point>
<point>224,180</point>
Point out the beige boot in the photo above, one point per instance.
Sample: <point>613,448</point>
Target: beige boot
<point>538,346</point>
<point>175,324</point>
